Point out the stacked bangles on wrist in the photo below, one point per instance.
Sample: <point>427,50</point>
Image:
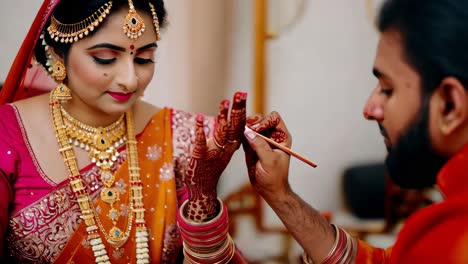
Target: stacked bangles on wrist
<point>341,252</point>
<point>207,242</point>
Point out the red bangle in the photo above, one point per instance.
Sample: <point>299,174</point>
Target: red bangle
<point>194,227</point>
<point>203,235</point>
<point>205,242</point>
<point>339,248</point>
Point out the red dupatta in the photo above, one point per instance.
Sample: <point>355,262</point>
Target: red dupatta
<point>24,78</point>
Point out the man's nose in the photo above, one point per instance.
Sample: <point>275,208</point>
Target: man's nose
<point>373,109</point>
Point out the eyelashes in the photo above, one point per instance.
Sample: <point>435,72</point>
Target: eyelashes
<point>144,61</point>
<point>137,60</point>
<point>103,61</point>
<point>387,92</point>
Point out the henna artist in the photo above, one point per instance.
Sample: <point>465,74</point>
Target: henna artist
<point>420,104</point>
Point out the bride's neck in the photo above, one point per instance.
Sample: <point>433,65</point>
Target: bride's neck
<point>90,116</point>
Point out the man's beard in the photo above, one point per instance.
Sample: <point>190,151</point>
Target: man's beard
<point>412,162</point>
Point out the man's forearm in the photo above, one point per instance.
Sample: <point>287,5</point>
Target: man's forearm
<point>311,230</point>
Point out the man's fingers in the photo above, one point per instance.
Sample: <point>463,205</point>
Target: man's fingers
<point>275,127</point>
<point>259,145</point>
<point>254,119</point>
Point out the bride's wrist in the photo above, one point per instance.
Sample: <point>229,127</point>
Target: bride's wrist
<point>203,208</point>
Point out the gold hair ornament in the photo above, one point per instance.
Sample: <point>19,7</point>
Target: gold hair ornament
<point>134,25</point>
<point>69,33</point>
<point>155,21</point>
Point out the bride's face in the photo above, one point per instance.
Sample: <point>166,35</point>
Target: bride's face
<point>107,71</point>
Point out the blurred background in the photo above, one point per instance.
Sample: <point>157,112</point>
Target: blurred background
<point>311,61</point>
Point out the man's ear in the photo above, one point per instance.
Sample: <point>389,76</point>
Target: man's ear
<point>451,105</point>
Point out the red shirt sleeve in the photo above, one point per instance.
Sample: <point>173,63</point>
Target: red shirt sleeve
<point>367,254</point>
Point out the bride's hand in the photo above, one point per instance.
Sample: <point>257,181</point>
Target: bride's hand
<point>211,156</point>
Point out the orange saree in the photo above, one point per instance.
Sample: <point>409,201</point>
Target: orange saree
<point>159,197</point>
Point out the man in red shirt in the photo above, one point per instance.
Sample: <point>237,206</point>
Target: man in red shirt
<point>421,106</point>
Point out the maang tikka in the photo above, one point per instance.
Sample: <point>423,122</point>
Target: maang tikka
<point>134,26</point>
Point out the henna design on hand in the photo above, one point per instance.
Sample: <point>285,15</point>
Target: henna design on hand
<point>252,120</point>
<point>237,118</point>
<point>208,160</point>
<point>269,127</point>
<point>221,126</point>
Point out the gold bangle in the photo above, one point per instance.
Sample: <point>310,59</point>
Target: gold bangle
<point>228,243</point>
<point>218,251</point>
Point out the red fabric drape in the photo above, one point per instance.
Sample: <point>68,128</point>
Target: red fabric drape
<point>24,79</point>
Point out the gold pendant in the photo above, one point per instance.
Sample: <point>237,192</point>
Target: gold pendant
<point>101,140</point>
<point>107,178</point>
<point>109,195</point>
<point>113,215</point>
<point>117,237</point>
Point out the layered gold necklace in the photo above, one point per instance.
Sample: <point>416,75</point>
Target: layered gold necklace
<point>102,145</point>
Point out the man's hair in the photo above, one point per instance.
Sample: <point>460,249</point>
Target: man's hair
<point>434,37</point>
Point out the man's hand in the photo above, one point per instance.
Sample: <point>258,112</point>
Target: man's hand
<point>268,167</point>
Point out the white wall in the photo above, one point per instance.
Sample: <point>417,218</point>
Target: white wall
<point>319,77</point>
<point>15,19</point>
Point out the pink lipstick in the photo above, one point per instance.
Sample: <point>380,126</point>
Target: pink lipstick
<point>121,97</point>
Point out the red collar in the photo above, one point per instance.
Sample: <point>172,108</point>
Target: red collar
<point>453,177</point>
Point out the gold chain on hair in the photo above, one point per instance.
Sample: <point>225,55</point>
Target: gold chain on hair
<point>155,21</point>
<point>68,33</point>
<point>133,26</point>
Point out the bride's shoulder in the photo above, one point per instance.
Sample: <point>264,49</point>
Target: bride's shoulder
<point>39,103</point>
<point>143,112</point>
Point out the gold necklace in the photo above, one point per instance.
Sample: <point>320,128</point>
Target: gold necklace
<point>88,211</point>
<point>102,144</point>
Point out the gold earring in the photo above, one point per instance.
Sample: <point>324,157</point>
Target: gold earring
<point>59,73</point>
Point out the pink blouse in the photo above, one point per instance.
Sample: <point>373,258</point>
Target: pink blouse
<point>23,182</point>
